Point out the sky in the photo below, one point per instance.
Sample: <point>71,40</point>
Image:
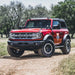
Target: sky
<point>46,3</point>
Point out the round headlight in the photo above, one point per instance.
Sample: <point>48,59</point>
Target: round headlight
<point>37,35</point>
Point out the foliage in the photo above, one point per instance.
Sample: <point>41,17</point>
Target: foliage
<point>3,47</point>
<point>66,10</point>
<point>67,66</point>
<point>15,14</point>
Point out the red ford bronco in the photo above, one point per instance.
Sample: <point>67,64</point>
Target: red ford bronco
<point>41,35</point>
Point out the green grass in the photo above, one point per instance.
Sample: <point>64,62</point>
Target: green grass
<point>67,66</point>
<point>73,43</point>
<point>3,47</point>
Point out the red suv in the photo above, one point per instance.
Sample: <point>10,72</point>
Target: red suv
<point>41,35</point>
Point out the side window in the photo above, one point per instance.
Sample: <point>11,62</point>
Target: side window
<point>63,25</point>
<point>56,25</point>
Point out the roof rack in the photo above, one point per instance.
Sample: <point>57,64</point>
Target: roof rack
<point>41,18</point>
<point>47,18</point>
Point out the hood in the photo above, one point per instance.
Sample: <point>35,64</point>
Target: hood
<point>26,30</point>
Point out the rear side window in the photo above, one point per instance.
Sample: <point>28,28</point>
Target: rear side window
<point>63,25</point>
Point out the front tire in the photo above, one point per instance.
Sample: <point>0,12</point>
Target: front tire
<point>48,49</point>
<point>67,47</point>
<point>14,53</point>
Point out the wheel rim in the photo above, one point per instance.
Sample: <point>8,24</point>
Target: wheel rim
<point>15,51</point>
<point>68,46</point>
<point>48,48</point>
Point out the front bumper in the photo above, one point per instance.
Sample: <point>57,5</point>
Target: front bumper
<point>26,45</point>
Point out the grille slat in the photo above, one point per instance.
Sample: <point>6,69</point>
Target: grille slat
<point>23,35</point>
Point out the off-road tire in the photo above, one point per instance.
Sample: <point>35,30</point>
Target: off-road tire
<point>67,47</point>
<point>14,53</point>
<point>48,49</point>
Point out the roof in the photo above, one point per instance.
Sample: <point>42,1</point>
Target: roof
<point>47,18</point>
<point>58,19</point>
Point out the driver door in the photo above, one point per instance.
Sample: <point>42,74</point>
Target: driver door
<point>56,32</point>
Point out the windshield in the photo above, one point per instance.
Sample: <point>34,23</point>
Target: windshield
<point>38,24</point>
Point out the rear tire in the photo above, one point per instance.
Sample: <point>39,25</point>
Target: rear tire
<point>48,49</point>
<point>14,53</point>
<point>67,47</point>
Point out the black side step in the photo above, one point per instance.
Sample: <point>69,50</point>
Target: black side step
<point>59,46</point>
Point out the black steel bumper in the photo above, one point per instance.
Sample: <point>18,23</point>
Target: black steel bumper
<point>26,45</point>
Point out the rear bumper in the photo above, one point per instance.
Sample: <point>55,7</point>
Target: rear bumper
<point>26,45</point>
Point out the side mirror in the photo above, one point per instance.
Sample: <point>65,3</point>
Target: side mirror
<point>56,26</point>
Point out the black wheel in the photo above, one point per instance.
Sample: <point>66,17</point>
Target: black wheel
<point>14,53</point>
<point>48,49</point>
<point>36,52</point>
<point>67,47</point>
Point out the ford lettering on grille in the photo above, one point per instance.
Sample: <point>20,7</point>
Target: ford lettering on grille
<point>23,35</point>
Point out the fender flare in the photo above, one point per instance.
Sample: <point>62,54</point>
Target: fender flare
<point>48,36</point>
<point>65,37</point>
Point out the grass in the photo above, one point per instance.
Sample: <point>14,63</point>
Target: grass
<point>67,66</point>
<point>3,47</point>
<point>73,43</point>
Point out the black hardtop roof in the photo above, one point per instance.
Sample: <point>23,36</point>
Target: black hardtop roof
<point>58,19</point>
<point>48,18</point>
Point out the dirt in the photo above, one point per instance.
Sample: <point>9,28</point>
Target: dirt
<point>31,64</point>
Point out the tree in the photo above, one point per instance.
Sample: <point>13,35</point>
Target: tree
<point>66,10</point>
<point>10,17</point>
<point>17,10</point>
<point>4,19</point>
<point>38,11</point>
<point>15,14</point>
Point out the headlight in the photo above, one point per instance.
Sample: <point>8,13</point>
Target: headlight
<point>36,35</point>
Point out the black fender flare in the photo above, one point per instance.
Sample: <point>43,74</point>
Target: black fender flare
<point>65,37</point>
<point>48,36</point>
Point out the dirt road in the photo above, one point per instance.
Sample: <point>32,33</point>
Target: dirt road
<point>31,64</point>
